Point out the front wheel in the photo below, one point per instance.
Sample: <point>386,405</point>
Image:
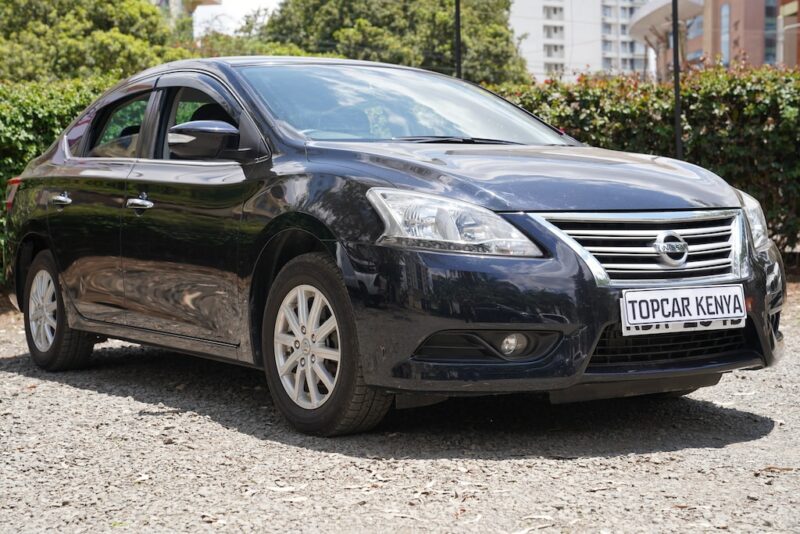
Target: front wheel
<point>311,353</point>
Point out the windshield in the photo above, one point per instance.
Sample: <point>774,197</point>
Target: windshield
<point>344,102</point>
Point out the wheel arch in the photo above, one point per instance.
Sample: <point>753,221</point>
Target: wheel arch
<point>286,238</point>
<point>29,246</point>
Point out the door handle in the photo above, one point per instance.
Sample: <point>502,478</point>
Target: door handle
<point>140,203</point>
<point>61,200</point>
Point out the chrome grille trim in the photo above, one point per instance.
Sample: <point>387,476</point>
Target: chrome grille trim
<point>616,246</point>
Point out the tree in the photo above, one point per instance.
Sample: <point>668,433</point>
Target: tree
<point>52,39</point>
<point>245,42</point>
<point>410,32</point>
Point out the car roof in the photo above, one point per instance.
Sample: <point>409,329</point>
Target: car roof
<point>215,63</point>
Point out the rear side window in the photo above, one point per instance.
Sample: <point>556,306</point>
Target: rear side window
<point>117,135</point>
<point>78,131</point>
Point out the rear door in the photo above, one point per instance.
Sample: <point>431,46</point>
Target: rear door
<point>179,255</point>
<point>86,192</point>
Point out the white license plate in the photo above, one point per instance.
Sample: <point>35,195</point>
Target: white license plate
<point>653,311</point>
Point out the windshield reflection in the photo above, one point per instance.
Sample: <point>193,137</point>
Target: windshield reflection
<point>366,103</point>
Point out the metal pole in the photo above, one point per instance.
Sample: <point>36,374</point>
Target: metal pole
<point>676,72</point>
<point>457,44</point>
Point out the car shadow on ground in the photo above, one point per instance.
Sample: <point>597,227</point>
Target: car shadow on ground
<point>489,427</point>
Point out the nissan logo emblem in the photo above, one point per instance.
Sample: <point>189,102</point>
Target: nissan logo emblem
<point>671,248</point>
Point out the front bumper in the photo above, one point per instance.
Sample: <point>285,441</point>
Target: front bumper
<point>403,297</point>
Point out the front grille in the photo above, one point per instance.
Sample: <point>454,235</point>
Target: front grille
<point>625,243</point>
<point>615,351</point>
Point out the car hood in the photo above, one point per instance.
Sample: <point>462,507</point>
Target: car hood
<point>536,178</point>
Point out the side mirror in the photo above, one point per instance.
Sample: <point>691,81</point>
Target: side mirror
<point>203,140</point>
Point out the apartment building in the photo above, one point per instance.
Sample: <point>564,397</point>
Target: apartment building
<point>712,30</point>
<point>744,30</point>
<point>567,37</point>
<point>789,32</point>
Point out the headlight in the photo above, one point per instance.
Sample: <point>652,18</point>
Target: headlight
<point>758,223</point>
<point>427,221</point>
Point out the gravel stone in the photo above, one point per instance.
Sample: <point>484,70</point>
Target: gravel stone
<point>149,440</point>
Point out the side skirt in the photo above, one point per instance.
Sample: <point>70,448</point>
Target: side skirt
<point>213,350</point>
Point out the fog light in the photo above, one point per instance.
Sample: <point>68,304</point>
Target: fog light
<point>513,344</point>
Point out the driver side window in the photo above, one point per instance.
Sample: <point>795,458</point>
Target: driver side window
<point>190,105</point>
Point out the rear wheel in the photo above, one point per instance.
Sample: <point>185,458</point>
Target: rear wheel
<point>53,345</point>
<point>311,353</point>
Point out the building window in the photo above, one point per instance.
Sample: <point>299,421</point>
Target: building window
<point>607,29</point>
<point>554,51</point>
<point>554,68</point>
<point>553,12</point>
<point>554,32</point>
<point>725,33</point>
<point>694,55</point>
<point>771,32</point>
<point>607,11</point>
<point>608,64</point>
<point>694,28</point>
<point>608,46</point>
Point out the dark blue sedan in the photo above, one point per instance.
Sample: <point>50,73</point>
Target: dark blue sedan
<point>375,236</point>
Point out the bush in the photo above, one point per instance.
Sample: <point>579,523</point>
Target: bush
<point>742,124</point>
<point>32,114</point>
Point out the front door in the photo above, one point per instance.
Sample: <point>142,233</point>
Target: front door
<point>86,193</point>
<point>180,225</point>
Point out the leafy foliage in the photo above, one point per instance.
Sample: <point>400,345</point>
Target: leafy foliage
<point>53,39</point>
<point>247,41</point>
<point>33,114</point>
<point>409,32</point>
<point>743,124</point>
<point>62,39</point>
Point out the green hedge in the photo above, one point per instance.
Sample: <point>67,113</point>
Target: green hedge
<point>743,124</point>
<point>32,114</point>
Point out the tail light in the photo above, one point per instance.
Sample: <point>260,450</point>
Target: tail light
<point>11,191</point>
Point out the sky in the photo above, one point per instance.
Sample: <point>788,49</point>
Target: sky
<point>227,17</point>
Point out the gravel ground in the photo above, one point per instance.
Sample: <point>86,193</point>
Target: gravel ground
<point>150,440</point>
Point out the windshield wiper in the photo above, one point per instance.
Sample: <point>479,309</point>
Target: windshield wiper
<point>454,139</point>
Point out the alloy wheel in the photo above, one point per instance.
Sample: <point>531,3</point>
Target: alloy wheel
<point>43,310</point>
<point>307,347</point>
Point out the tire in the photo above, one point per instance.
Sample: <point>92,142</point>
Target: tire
<point>340,402</point>
<point>53,345</point>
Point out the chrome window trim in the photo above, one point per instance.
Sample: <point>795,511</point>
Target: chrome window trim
<point>83,159</point>
<point>69,157</point>
<point>740,267</point>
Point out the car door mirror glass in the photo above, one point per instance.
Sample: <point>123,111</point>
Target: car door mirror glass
<point>203,139</point>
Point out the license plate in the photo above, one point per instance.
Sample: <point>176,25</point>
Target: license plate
<point>653,311</point>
